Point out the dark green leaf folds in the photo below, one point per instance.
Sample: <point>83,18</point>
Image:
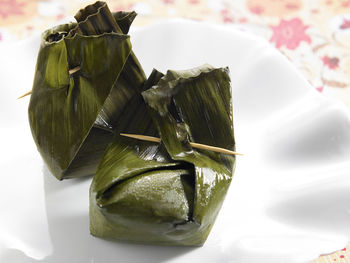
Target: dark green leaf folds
<point>73,116</point>
<point>88,88</point>
<point>167,193</point>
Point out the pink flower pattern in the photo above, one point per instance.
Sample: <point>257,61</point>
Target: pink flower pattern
<point>346,3</point>
<point>289,33</point>
<point>320,88</point>
<point>292,6</point>
<point>257,10</point>
<point>226,17</point>
<point>168,1</point>
<point>10,7</point>
<point>331,62</point>
<point>346,24</point>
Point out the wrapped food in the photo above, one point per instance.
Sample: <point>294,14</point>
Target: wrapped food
<point>167,193</point>
<point>86,73</point>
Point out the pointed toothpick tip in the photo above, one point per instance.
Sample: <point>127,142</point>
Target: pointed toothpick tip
<point>193,144</point>
<point>24,95</point>
<point>71,71</point>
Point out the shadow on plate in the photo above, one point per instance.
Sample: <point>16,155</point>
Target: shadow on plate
<point>319,136</point>
<point>70,236</point>
<point>319,209</point>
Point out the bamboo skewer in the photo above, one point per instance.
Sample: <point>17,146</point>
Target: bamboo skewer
<point>193,144</point>
<point>71,72</point>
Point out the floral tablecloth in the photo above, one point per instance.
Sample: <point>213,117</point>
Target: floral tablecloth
<point>313,34</point>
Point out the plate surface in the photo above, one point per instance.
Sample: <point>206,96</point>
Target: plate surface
<point>290,197</point>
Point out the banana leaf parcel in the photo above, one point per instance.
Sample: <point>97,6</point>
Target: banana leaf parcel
<point>167,193</point>
<point>86,73</point>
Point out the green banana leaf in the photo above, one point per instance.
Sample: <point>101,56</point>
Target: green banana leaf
<point>73,116</point>
<point>167,193</point>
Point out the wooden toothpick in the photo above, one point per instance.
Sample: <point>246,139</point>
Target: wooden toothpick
<point>141,137</point>
<point>71,71</point>
<point>25,94</point>
<point>193,144</point>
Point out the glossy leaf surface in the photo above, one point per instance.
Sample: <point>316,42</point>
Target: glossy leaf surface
<point>167,193</point>
<point>72,117</point>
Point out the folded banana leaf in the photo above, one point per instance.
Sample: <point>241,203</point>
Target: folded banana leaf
<point>167,193</point>
<point>73,115</point>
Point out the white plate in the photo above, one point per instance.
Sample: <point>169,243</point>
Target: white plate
<point>290,197</point>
